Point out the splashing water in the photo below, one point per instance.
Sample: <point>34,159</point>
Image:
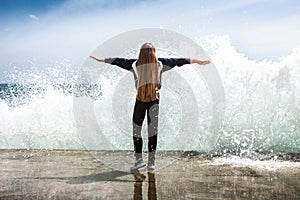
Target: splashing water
<point>263,100</point>
<point>262,105</point>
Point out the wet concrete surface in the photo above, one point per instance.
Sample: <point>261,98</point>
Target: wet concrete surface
<point>41,174</point>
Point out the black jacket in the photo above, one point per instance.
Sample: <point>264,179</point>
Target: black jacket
<point>168,63</point>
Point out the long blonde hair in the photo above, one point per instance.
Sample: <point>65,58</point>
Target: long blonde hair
<point>148,74</point>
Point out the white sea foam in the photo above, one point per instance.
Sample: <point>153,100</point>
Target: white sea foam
<point>269,165</point>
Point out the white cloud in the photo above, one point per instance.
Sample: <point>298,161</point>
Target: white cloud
<point>33,17</point>
<point>228,6</point>
<point>275,38</point>
<point>73,36</point>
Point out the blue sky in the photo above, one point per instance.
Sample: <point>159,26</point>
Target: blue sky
<point>19,7</point>
<point>71,29</point>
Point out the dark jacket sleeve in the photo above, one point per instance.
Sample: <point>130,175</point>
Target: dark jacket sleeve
<point>121,62</point>
<point>170,63</point>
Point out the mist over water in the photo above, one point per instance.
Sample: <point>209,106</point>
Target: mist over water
<point>261,114</point>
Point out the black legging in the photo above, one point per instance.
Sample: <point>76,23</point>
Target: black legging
<point>139,112</point>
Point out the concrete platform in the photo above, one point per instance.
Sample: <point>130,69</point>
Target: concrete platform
<point>55,174</point>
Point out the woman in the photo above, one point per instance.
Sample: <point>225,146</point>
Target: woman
<point>147,70</point>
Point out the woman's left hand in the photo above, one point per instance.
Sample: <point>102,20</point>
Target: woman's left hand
<point>98,59</point>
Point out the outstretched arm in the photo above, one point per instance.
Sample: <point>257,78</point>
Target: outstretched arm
<point>200,62</point>
<point>121,62</point>
<point>170,63</point>
<point>97,59</point>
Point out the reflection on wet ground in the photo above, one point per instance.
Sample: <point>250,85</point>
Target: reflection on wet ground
<point>76,175</point>
<point>138,186</point>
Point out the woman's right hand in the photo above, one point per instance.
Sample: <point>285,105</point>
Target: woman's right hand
<point>204,62</point>
<point>200,62</point>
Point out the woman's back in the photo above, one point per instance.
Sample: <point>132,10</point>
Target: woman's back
<point>148,74</point>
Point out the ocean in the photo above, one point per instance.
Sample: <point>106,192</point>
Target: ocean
<point>261,114</point>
